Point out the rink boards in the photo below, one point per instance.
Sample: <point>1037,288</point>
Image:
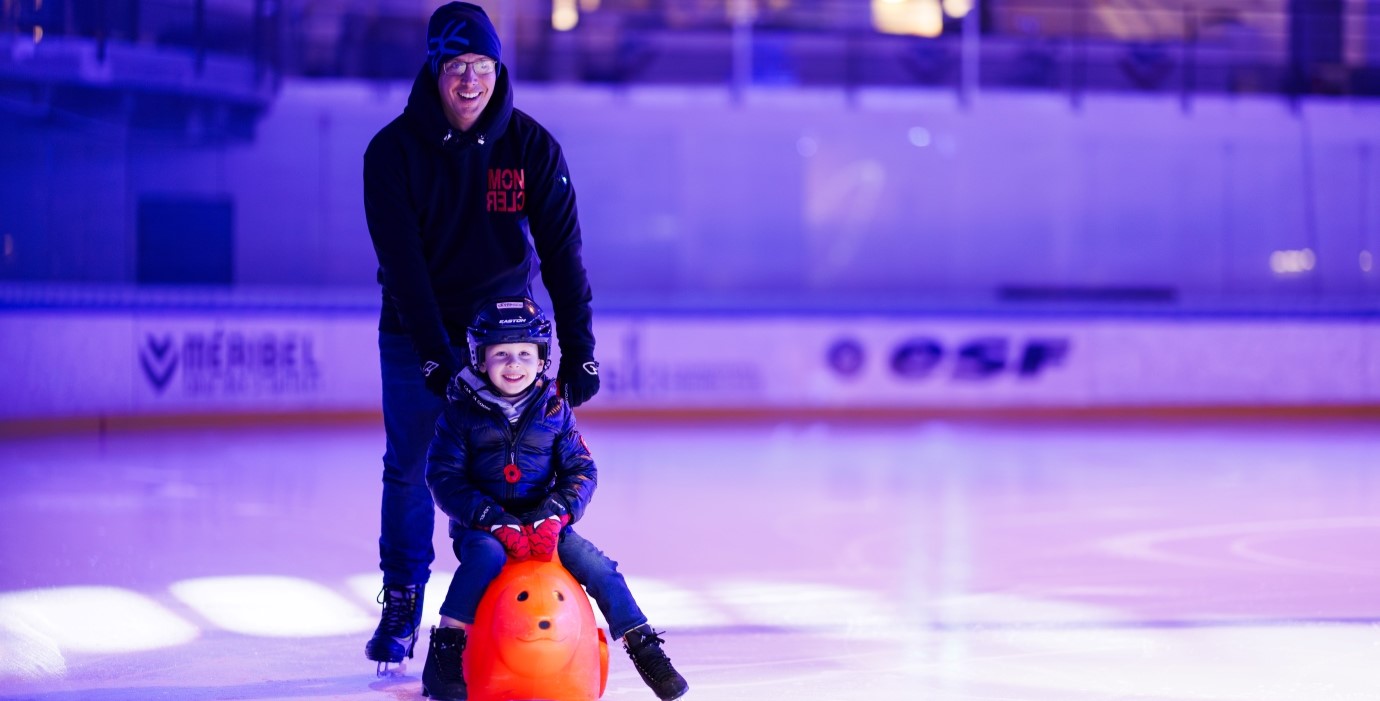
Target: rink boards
<point>58,364</point>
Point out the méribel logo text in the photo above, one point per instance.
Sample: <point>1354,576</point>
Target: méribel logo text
<point>158,358</point>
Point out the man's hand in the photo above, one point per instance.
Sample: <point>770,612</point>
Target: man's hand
<point>578,379</point>
<point>437,374</point>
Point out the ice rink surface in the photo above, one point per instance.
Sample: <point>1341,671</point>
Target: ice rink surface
<point>934,561</point>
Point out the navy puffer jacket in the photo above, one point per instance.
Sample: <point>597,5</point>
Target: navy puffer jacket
<point>475,443</point>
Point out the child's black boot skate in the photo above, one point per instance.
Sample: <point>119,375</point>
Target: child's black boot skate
<point>397,632</point>
<point>644,647</point>
<point>443,676</point>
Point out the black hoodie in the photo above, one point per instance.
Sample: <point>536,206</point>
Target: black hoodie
<point>454,217</point>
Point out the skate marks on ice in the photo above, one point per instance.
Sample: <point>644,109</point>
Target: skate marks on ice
<point>809,642</point>
<point>42,627</point>
<point>1305,545</point>
<point>1026,563</point>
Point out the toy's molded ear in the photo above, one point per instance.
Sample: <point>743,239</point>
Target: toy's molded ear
<point>603,661</point>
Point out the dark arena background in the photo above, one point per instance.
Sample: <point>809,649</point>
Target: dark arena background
<point>953,350</point>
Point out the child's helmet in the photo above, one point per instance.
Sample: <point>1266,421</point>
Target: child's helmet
<point>509,320</point>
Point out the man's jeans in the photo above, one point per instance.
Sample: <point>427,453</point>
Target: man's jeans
<point>482,556</point>
<point>410,411</point>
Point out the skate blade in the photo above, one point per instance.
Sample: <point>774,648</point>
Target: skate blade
<point>390,669</point>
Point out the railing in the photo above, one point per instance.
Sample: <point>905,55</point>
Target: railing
<point>1075,46</point>
<point>188,68</point>
<point>247,31</point>
<point>1289,47</point>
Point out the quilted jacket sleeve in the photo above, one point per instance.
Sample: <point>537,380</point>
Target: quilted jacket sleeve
<point>447,472</point>
<point>396,234</point>
<point>555,228</point>
<point>576,475</point>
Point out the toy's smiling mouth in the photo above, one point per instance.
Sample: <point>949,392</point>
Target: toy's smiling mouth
<point>542,637</point>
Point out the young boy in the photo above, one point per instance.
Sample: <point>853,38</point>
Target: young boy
<point>512,472</point>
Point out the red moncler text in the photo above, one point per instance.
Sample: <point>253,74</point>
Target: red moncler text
<point>507,191</point>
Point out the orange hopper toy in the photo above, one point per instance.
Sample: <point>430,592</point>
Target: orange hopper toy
<point>534,637</point>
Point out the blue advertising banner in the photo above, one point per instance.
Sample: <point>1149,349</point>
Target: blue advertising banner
<point>62,364</point>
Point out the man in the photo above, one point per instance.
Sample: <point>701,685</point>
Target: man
<point>452,189</point>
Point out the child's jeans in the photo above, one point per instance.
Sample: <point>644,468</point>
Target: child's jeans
<point>482,556</point>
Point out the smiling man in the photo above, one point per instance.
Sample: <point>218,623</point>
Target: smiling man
<point>452,189</point>
<point>466,84</point>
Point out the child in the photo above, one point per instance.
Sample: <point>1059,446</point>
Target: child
<point>512,472</point>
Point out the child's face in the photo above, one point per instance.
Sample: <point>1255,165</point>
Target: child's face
<point>511,367</point>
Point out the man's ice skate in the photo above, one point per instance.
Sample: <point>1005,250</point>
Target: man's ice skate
<point>644,647</point>
<point>396,634</point>
<point>443,676</point>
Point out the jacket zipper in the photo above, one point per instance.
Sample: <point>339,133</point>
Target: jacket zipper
<point>515,433</point>
<point>453,139</point>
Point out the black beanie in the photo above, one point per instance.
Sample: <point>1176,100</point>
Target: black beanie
<point>459,28</point>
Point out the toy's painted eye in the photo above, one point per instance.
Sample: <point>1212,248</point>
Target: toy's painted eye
<point>522,596</point>
<point>560,596</point>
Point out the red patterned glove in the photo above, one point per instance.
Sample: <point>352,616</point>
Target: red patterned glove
<point>545,535</point>
<point>508,530</point>
<point>514,539</point>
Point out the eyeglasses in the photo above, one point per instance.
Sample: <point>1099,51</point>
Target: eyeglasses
<point>483,66</point>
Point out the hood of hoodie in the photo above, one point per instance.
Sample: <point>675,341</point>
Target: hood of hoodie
<point>468,383</point>
<point>426,115</point>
